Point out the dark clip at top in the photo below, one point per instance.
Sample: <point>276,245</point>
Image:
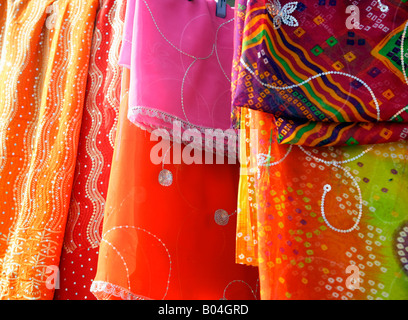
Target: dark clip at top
<point>221,8</point>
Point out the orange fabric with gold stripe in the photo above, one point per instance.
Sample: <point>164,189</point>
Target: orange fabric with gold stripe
<point>43,70</point>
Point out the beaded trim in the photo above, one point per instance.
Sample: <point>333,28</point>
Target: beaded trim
<point>377,106</point>
<point>404,34</point>
<point>327,188</point>
<point>254,293</point>
<point>164,116</point>
<point>104,236</point>
<point>229,148</point>
<point>102,288</point>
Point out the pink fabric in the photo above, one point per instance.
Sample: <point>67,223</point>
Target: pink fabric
<point>180,56</point>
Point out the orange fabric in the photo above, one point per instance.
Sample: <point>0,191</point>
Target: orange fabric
<point>44,62</point>
<point>301,222</point>
<point>162,242</point>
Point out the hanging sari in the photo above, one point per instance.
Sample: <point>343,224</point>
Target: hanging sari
<point>167,242</point>
<point>44,62</point>
<point>317,214</point>
<point>322,208</point>
<point>171,238</point>
<point>180,54</point>
<point>325,82</point>
<point>95,148</point>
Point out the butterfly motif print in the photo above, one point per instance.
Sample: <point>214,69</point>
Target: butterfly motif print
<point>282,14</point>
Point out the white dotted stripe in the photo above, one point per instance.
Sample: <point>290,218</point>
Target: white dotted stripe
<point>377,106</point>
<point>399,112</point>
<point>164,156</point>
<point>123,260</point>
<point>112,289</point>
<point>241,281</point>
<point>164,37</point>
<point>214,49</point>
<point>404,34</point>
<point>262,162</point>
<point>154,236</point>
<point>334,162</point>
<point>327,188</point>
<point>182,89</point>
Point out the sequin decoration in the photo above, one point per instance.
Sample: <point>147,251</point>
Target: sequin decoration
<point>43,76</point>
<point>221,217</point>
<point>401,246</point>
<point>165,178</point>
<point>282,14</point>
<point>307,114</point>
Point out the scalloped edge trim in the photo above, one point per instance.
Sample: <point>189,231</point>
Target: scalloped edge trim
<point>101,289</point>
<point>168,118</point>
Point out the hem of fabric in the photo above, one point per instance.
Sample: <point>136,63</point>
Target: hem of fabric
<point>229,147</point>
<point>103,290</point>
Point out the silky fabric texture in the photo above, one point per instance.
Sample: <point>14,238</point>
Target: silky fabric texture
<point>319,222</point>
<point>327,80</point>
<point>322,218</point>
<point>163,242</point>
<point>43,72</point>
<point>95,149</point>
<point>180,54</point>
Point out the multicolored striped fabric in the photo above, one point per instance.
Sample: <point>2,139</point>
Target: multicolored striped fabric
<point>45,49</point>
<point>326,80</point>
<point>321,216</point>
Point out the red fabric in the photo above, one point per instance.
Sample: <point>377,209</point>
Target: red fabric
<point>163,242</point>
<point>95,149</point>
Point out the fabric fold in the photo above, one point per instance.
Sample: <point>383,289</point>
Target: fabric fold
<point>326,82</point>
<point>164,242</point>
<point>44,62</point>
<point>321,110</point>
<point>180,54</point>
<point>83,230</point>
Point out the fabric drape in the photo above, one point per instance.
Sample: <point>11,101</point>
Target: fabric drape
<point>314,212</point>
<point>326,82</point>
<point>95,148</point>
<point>180,54</point>
<point>321,213</point>
<point>43,71</point>
<point>163,242</point>
<point>101,105</point>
